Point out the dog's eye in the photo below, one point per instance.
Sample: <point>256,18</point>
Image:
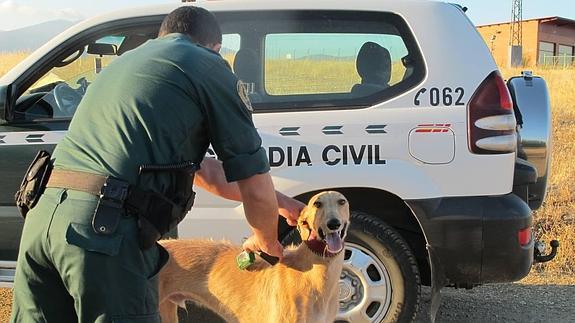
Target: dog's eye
<point>317,204</point>
<point>341,201</point>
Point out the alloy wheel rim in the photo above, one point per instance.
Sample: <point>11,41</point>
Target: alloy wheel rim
<point>364,286</point>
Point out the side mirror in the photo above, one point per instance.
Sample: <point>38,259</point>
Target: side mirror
<point>102,49</point>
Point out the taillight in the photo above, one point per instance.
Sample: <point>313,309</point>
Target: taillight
<point>524,236</point>
<point>490,119</point>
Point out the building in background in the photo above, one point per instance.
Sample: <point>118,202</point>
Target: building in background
<point>546,41</point>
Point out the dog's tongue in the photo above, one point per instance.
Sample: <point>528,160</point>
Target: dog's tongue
<point>334,243</point>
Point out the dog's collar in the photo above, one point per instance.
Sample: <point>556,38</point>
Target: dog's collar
<point>320,248</point>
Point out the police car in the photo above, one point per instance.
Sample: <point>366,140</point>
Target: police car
<point>397,104</point>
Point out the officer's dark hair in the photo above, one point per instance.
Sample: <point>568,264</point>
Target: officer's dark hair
<point>198,23</point>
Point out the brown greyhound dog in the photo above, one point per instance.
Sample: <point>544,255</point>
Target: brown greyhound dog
<point>303,287</point>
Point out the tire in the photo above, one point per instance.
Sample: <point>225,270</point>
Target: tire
<point>380,279</point>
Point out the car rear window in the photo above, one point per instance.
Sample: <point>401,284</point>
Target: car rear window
<point>322,59</point>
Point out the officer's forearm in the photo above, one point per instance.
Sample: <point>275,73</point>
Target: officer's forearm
<point>211,177</point>
<point>260,204</point>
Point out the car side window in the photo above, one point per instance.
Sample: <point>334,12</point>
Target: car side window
<point>57,94</point>
<point>230,47</point>
<point>312,63</point>
<point>309,60</point>
<point>93,59</point>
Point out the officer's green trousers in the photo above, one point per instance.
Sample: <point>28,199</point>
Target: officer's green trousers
<point>68,273</point>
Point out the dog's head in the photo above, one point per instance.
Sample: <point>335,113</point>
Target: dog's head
<point>325,219</point>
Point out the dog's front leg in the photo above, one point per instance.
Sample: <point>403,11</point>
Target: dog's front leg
<point>169,312</point>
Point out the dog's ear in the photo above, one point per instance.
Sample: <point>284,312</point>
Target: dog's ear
<point>303,212</point>
<point>303,225</point>
<point>302,216</point>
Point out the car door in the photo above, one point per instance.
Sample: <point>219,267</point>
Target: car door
<point>39,103</point>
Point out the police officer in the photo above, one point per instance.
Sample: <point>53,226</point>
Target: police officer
<point>160,104</point>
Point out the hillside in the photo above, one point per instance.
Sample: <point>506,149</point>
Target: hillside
<point>32,37</point>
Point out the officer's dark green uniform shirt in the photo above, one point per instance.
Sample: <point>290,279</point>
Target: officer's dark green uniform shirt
<point>162,103</point>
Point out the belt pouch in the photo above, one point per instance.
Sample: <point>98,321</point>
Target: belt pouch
<point>34,182</point>
<point>110,206</point>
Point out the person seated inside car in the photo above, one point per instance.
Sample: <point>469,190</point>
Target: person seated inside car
<point>373,65</point>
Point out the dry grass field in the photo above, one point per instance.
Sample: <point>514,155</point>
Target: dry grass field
<point>555,220</point>
<point>9,60</point>
<point>285,77</point>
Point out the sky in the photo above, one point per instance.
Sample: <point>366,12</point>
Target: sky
<point>16,14</point>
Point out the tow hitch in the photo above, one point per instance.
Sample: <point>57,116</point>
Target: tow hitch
<point>539,249</point>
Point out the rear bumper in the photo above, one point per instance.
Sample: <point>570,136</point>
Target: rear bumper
<point>475,239</point>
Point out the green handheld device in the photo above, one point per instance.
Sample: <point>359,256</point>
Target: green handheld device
<point>246,259</point>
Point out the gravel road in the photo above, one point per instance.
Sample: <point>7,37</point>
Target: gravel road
<point>518,302</point>
<point>504,303</point>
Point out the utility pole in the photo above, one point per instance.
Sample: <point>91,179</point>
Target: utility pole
<point>516,34</point>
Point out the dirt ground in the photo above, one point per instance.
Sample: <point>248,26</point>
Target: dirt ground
<point>5,303</point>
<point>504,303</point>
<point>531,300</point>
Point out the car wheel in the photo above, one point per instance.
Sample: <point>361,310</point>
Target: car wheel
<point>380,280</point>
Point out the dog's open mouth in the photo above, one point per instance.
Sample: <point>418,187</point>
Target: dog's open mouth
<point>333,240</point>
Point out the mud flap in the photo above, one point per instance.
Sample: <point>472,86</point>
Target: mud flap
<point>438,281</point>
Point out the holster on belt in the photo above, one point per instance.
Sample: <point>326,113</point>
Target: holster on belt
<point>162,212</point>
<point>157,214</point>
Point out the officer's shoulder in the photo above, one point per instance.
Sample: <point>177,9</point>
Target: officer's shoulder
<point>216,58</point>
<point>207,55</point>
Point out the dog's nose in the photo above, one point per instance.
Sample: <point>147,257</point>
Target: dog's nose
<point>333,224</point>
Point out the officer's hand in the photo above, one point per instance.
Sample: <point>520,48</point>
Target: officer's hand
<point>272,247</point>
<point>290,209</point>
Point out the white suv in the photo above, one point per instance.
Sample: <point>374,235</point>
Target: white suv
<point>397,104</point>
